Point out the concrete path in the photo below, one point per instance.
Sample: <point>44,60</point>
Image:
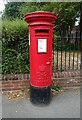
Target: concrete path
<point>65,105</point>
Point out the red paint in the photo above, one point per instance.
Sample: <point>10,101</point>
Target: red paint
<point>40,32</point>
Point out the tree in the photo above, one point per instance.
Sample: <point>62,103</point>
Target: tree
<point>12,10</point>
<point>66,12</point>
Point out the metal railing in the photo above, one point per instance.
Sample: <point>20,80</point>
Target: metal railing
<point>67,51</point>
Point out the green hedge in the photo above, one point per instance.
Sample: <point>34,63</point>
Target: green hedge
<point>14,47</point>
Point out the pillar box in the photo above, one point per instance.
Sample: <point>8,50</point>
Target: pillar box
<point>40,44</point>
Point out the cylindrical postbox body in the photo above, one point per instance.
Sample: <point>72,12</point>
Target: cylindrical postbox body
<point>40,43</point>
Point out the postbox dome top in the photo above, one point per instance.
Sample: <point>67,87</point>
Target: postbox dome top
<point>40,16</point>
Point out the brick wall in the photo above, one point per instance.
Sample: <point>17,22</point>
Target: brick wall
<point>68,78</point>
<point>14,85</point>
<point>18,82</point>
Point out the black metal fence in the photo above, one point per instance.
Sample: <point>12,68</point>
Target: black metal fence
<point>67,51</point>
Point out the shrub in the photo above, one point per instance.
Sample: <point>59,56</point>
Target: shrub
<point>14,47</point>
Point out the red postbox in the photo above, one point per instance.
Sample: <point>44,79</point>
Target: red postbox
<point>40,43</point>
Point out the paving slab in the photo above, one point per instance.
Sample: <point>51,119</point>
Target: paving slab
<point>65,105</point>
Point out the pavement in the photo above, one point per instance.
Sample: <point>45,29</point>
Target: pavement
<point>65,105</point>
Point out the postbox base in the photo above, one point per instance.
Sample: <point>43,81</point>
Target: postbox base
<point>40,95</point>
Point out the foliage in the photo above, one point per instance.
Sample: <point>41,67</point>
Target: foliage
<point>67,12</point>
<point>56,87</point>
<point>12,10</point>
<point>67,43</point>
<point>65,47</point>
<point>14,47</point>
